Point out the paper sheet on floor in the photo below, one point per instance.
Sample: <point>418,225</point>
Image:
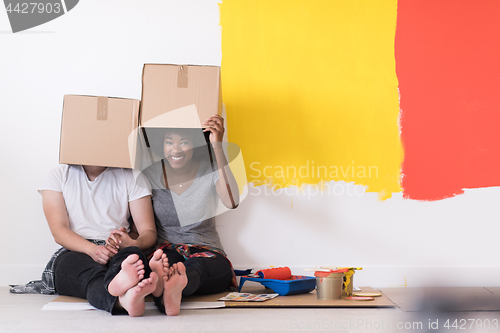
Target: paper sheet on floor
<point>78,306</point>
<point>246,297</point>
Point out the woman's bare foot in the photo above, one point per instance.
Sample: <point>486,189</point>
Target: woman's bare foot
<point>159,265</point>
<point>175,282</point>
<point>131,273</point>
<point>133,300</point>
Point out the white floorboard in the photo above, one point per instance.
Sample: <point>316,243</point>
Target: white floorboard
<point>23,313</point>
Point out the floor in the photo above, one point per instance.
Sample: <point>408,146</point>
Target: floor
<point>23,313</point>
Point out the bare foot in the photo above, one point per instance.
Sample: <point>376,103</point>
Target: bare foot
<point>175,282</point>
<point>131,273</point>
<point>133,300</point>
<point>159,265</point>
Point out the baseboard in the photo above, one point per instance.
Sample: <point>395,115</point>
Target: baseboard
<point>380,277</point>
<point>376,277</point>
<point>19,274</point>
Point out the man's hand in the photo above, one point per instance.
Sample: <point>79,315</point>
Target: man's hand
<point>101,254</point>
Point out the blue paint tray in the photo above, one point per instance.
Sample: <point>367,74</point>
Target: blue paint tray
<point>297,284</point>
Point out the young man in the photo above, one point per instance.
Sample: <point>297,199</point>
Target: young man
<point>83,204</point>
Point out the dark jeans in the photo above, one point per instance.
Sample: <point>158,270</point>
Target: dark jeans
<point>76,274</point>
<point>205,275</point>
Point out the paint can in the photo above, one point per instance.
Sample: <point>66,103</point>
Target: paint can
<point>329,285</point>
<point>348,277</point>
<point>348,284</point>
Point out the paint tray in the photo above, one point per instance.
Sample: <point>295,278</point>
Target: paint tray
<point>297,284</point>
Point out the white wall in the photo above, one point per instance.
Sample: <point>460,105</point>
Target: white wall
<point>99,48</point>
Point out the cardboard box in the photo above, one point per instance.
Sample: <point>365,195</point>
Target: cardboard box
<point>99,131</point>
<point>179,96</point>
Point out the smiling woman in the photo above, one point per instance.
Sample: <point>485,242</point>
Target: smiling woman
<point>187,185</point>
<point>178,148</point>
<point>181,169</point>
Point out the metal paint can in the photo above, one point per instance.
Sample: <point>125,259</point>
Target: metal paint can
<point>348,284</point>
<point>329,285</point>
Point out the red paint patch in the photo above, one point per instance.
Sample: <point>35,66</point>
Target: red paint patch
<point>359,298</point>
<point>448,67</point>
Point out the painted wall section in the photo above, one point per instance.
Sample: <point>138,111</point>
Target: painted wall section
<point>311,91</point>
<point>447,60</point>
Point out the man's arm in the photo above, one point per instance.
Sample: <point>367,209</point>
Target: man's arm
<point>143,216</point>
<point>56,214</point>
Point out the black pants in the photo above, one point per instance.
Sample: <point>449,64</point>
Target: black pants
<point>76,274</point>
<point>205,275</point>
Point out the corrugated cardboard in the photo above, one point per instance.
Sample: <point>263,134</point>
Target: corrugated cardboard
<point>179,96</point>
<point>307,300</point>
<point>99,131</point>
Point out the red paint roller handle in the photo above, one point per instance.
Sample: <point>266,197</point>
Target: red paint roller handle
<point>280,273</point>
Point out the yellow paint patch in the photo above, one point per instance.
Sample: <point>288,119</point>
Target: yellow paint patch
<point>311,91</point>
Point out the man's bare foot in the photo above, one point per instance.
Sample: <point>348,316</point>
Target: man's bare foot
<point>159,265</point>
<point>175,282</point>
<point>131,273</point>
<point>133,300</point>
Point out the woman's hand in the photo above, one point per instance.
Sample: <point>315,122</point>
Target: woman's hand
<point>120,239</point>
<point>215,125</point>
<point>113,242</point>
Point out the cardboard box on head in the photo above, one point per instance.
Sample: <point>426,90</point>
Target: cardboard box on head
<point>99,131</point>
<point>105,131</point>
<point>179,96</point>
<point>176,96</point>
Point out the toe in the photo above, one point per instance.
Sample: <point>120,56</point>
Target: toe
<point>158,254</point>
<point>181,268</point>
<point>131,259</point>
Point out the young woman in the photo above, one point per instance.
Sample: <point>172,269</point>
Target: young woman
<point>186,187</point>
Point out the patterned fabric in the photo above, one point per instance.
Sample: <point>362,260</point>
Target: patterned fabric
<point>185,252</point>
<point>46,284</point>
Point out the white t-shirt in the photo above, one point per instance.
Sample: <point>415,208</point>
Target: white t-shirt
<point>96,207</point>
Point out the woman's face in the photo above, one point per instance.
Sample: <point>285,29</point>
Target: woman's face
<point>178,149</point>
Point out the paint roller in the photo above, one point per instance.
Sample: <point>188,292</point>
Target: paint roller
<point>279,273</point>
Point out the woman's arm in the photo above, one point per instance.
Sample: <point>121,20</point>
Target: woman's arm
<point>56,214</point>
<point>142,214</point>
<point>226,186</point>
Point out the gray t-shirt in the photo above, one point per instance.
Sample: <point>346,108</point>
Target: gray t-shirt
<point>187,217</point>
